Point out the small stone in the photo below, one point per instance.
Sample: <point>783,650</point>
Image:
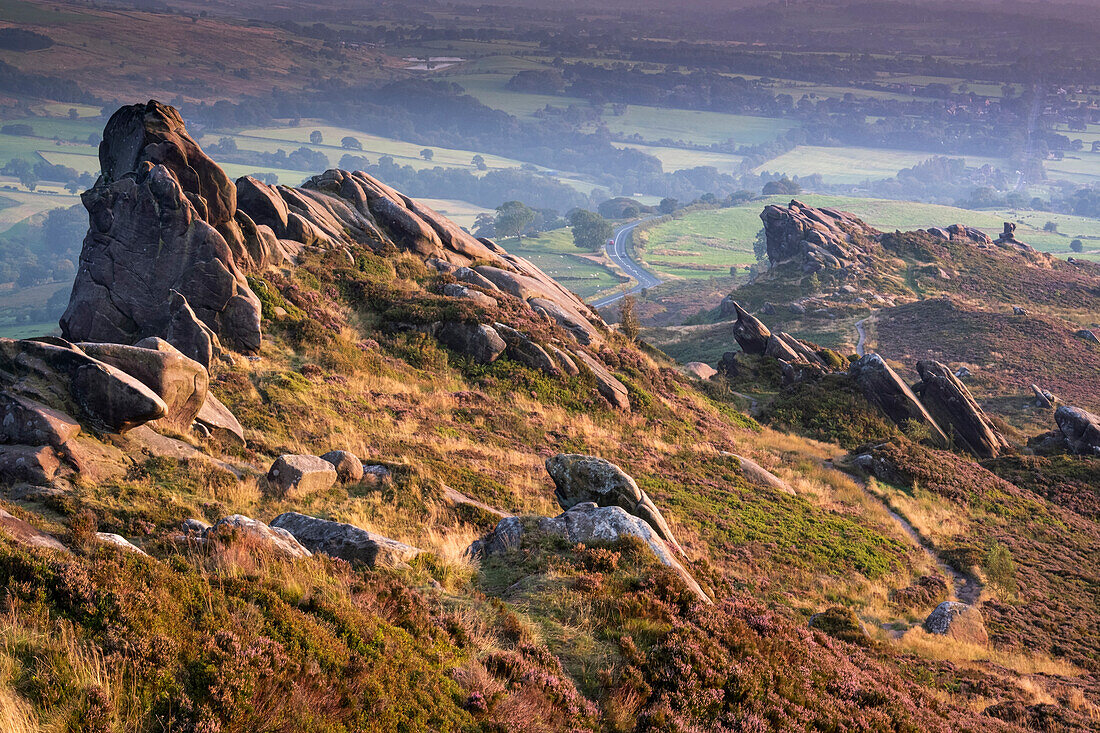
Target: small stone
<point>348,467</point>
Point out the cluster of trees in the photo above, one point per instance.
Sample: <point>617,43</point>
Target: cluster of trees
<point>20,39</point>
<point>31,174</point>
<point>44,251</point>
<point>302,159</point>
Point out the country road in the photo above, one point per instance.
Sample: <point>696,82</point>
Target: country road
<point>616,252</point>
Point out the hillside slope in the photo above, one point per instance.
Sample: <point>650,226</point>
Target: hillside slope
<point>341,352</point>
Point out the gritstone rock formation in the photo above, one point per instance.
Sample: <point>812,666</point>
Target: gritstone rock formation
<point>951,404</point>
<point>886,390</point>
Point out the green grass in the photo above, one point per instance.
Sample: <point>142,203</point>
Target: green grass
<point>852,165</point>
<point>654,124</point>
<point>555,253</point>
<point>674,159</point>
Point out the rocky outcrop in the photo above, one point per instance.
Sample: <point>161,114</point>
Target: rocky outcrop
<point>26,422</point>
<point>32,464</point>
<point>700,370</point>
<point>478,341</point>
<point>1080,428</point>
<point>66,379</point>
<point>522,349</point>
<point>579,479</point>
<point>159,215</point>
<point>179,381</point>
<point>751,335</point>
<point>816,239</point>
<point>299,475</point>
<point>271,539</point>
<point>344,541</point>
<point>348,466</point>
<point>116,540</point>
<point>757,474</point>
<point>607,385</point>
<point>958,621</point>
<point>883,388</point>
<point>587,523</point>
<point>955,410</point>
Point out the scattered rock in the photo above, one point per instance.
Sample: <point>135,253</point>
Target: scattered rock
<point>345,541</point>
<point>525,351</point>
<point>1087,335</point>
<point>348,467</point>
<point>564,361</point>
<point>274,539</point>
<point>1018,311</point>
<point>699,370</point>
<point>219,421</point>
<point>26,422</point>
<point>477,341</point>
<point>951,404</point>
<point>194,526</point>
<point>26,534</point>
<point>963,373</point>
<point>375,473</point>
<point>28,464</point>
<point>958,621</point>
<point>120,542</point>
<point>1081,429</point>
<point>301,474</point>
<point>1043,398</point>
<point>454,290</point>
<point>587,523</point>
<point>581,478</point>
<point>757,474</point>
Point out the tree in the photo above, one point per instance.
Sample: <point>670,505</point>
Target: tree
<point>73,114</point>
<point>513,218</point>
<point>668,205</point>
<point>427,154</point>
<point>760,246</point>
<point>485,225</point>
<point>1000,569</point>
<point>628,319</point>
<point>351,143</point>
<point>784,186</point>
<point>479,163</point>
<point>1077,245</point>
<point>316,137</point>
<point>590,230</point>
<point>1051,226</point>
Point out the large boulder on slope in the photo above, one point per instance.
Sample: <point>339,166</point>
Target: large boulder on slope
<point>24,533</point>
<point>272,539</point>
<point>345,541</point>
<point>66,379</point>
<point>1081,429</point>
<point>883,388</point>
<point>27,422</point>
<point>301,474</point>
<point>347,464</point>
<point>607,385</point>
<point>179,381</point>
<point>587,523</point>
<point>579,479</point>
<point>752,335</point>
<point>951,404</point>
<point>478,341</point>
<point>220,422</point>
<point>958,621</point>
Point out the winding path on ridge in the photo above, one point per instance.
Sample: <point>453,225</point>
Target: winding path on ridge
<point>617,253</point>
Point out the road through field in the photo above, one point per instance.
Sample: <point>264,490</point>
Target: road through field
<point>616,252</point>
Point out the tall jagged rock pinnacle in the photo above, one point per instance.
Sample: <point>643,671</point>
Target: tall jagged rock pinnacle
<point>157,216</point>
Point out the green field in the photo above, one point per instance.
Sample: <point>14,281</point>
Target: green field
<point>706,243</point>
<point>658,124</point>
<point>555,253</point>
<point>674,159</point>
<point>853,165</point>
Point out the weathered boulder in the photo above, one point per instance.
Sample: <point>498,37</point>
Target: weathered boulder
<point>700,370</point>
<point>1043,398</point>
<point>607,385</point>
<point>757,474</point>
<point>814,239</point>
<point>345,541</point>
<point>957,621</point>
<point>752,335</point>
<point>951,404</point>
<point>26,534</point>
<point>1087,335</point>
<point>179,381</point>
<point>563,360</point>
<point>120,542</point>
<point>478,341</point>
<point>886,390</point>
<point>262,203</point>
<point>193,525</point>
<point>348,466</point>
<point>32,464</point>
<point>1081,429</point>
<point>524,350</point>
<point>587,523</point>
<point>219,421</point>
<point>27,422</point>
<point>273,539</point>
<point>579,479</point>
<point>454,290</point>
<point>66,379</point>
<point>157,213</point>
<point>301,474</point>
